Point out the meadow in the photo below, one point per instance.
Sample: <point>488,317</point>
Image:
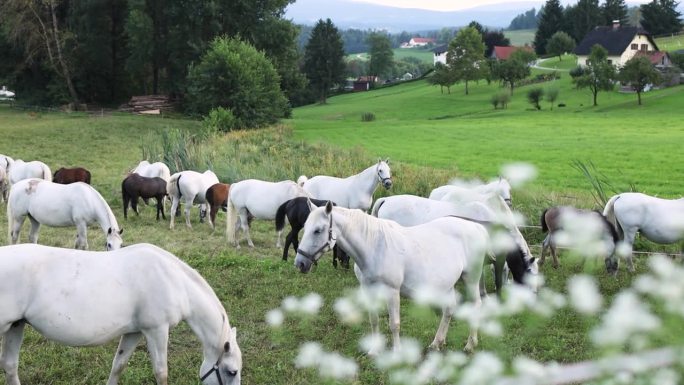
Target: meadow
<point>430,138</point>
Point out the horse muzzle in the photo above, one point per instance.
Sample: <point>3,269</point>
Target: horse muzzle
<point>387,183</point>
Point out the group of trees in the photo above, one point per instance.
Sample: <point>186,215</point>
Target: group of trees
<point>526,20</point>
<point>657,17</point>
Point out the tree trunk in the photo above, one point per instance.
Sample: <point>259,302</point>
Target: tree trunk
<point>60,57</point>
<point>639,97</point>
<point>595,93</point>
<point>466,86</point>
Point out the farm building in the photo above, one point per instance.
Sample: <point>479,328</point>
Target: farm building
<point>504,52</point>
<point>418,42</point>
<point>364,83</point>
<point>622,43</point>
<point>439,54</point>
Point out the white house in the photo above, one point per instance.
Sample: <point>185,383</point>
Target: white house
<point>622,43</point>
<point>439,54</point>
<point>418,42</point>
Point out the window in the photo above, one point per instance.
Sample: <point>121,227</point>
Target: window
<point>610,62</point>
<point>635,46</point>
<point>644,47</point>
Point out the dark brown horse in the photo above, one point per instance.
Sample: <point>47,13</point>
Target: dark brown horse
<point>71,175</point>
<point>551,222</point>
<point>136,186</point>
<point>217,197</point>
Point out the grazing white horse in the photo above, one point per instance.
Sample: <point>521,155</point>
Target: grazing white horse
<point>659,220</point>
<point>402,260</point>
<point>5,161</point>
<point>152,170</point>
<point>86,298</point>
<point>259,198</point>
<point>411,210</point>
<point>19,170</point>
<point>354,192</point>
<point>59,205</point>
<point>498,186</point>
<point>191,186</point>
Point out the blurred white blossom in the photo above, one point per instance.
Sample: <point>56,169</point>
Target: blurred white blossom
<point>347,311</point>
<point>483,368</point>
<point>331,365</point>
<point>373,343</point>
<point>519,173</point>
<point>584,294</point>
<point>408,354</point>
<point>627,317</point>
<point>275,318</point>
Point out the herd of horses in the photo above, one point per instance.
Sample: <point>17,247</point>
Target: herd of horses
<point>403,245</point>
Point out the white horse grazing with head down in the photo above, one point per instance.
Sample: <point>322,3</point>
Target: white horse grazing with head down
<point>411,210</point>
<point>86,298</point>
<point>59,205</point>
<point>190,186</point>
<point>461,189</point>
<point>20,170</point>
<point>659,220</point>
<point>260,199</point>
<point>5,162</point>
<point>401,260</point>
<point>152,170</point>
<point>354,192</point>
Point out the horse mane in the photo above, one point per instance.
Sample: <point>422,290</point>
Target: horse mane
<point>371,227</point>
<point>609,225</point>
<point>112,219</point>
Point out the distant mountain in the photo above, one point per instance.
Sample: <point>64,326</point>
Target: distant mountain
<point>351,14</point>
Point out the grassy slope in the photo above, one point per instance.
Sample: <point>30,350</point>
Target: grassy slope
<point>520,37</point>
<point>417,124</point>
<point>670,43</point>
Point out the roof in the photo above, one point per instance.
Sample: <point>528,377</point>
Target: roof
<point>614,40</point>
<point>440,49</point>
<point>504,52</point>
<point>422,40</point>
<point>656,57</point>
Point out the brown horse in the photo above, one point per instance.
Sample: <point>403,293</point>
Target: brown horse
<point>71,175</point>
<point>217,197</point>
<point>135,186</point>
<point>551,222</point>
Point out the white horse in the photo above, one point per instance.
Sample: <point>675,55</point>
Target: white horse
<point>58,205</point>
<point>498,186</point>
<point>411,210</point>
<point>20,170</point>
<point>354,192</point>
<point>152,170</point>
<point>659,220</point>
<point>190,186</point>
<point>259,198</point>
<point>5,162</point>
<point>86,298</point>
<point>401,260</point>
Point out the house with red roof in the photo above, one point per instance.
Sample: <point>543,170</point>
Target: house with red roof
<point>418,42</point>
<point>504,52</point>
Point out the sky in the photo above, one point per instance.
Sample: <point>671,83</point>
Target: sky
<point>458,5</point>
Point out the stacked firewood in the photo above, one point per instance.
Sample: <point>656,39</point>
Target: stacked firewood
<point>148,104</point>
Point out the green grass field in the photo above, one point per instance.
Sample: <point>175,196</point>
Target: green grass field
<point>430,138</point>
<point>670,43</point>
<point>423,54</point>
<point>520,37</point>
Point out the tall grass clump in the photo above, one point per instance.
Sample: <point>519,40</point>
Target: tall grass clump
<point>601,188</point>
<point>368,117</point>
<point>500,99</point>
<point>179,149</point>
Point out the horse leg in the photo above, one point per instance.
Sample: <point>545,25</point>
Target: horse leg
<point>244,223</point>
<point>393,302</point>
<point>134,205</point>
<point>202,212</point>
<point>545,245</point>
<point>335,252</point>
<point>630,234</point>
<point>279,244</point>
<point>127,345</point>
<point>188,207</point>
<point>82,236</point>
<point>174,209</point>
<point>498,274</point>
<point>16,228</point>
<point>212,215</point>
<point>9,356</point>
<point>160,208</point>
<point>35,228</point>
<point>472,284</point>
<point>447,311</point>
<point>157,346</point>
<point>288,242</point>
<point>126,200</point>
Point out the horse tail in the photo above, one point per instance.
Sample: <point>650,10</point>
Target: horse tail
<point>301,180</point>
<point>609,214</point>
<point>542,221</point>
<point>87,178</point>
<point>172,185</point>
<point>280,216</point>
<point>10,220</point>
<point>376,207</point>
<point>47,175</point>
<point>231,217</point>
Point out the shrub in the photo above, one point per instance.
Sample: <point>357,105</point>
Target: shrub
<point>500,99</point>
<point>534,96</point>
<point>219,119</point>
<point>232,74</point>
<point>551,95</point>
<point>495,101</point>
<point>368,117</point>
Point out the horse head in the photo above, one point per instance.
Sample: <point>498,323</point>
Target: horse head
<point>318,238</point>
<point>384,173</point>
<point>114,240</point>
<point>227,370</point>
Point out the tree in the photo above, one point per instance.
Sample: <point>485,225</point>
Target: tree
<point>527,20</point>
<point>660,17</point>
<point>549,23</point>
<point>613,10</point>
<point>232,74</point>
<point>639,73</point>
<point>516,68</point>
<point>598,74</point>
<point>381,54</point>
<point>534,96</point>
<point>492,38</point>
<point>443,77</point>
<point>581,18</point>
<point>465,56</point>
<point>559,44</point>
<point>324,58</point>
<point>551,95</point>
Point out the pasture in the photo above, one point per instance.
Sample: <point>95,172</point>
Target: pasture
<point>520,37</point>
<point>429,137</point>
<point>670,43</point>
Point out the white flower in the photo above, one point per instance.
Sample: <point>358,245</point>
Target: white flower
<point>408,354</point>
<point>275,317</point>
<point>290,304</point>
<point>332,365</point>
<point>372,343</point>
<point>519,173</point>
<point>310,304</point>
<point>428,295</point>
<point>484,367</point>
<point>584,294</point>
<point>628,316</point>
<point>347,311</point>
<point>309,355</point>
<point>528,367</point>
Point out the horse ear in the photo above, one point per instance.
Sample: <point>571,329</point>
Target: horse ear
<point>387,160</point>
<point>310,204</point>
<point>532,260</point>
<point>328,207</point>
